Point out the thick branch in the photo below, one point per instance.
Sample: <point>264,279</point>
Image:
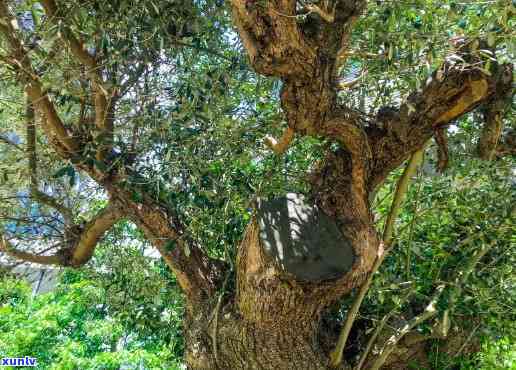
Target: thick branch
<point>450,92</point>
<point>92,233</point>
<point>103,101</point>
<point>54,127</point>
<point>196,273</point>
<point>82,246</point>
<point>281,43</point>
<point>271,36</point>
<point>345,127</point>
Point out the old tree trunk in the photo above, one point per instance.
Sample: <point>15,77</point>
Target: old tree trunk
<point>299,255</point>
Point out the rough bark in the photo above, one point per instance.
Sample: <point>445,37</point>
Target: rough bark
<point>273,320</point>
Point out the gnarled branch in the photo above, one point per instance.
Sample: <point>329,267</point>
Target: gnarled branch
<point>197,274</point>
<point>450,92</point>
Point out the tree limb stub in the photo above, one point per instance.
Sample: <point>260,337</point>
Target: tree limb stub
<point>279,147</point>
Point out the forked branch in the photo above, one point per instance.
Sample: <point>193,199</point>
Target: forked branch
<point>103,99</point>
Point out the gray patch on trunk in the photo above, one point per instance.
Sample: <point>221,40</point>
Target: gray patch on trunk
<point>302,239</point>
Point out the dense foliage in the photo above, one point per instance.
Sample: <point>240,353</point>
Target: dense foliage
<point>191,116</point>
<point>102,317</point>
<point>124,309</point>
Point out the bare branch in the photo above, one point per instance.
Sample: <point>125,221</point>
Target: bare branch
<point>13,252</point>
<point>346,127</point>
<point>344,84</point>
<point>10,142</point>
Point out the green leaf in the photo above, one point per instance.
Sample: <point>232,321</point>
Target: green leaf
<point>170,245</point>
<point>137,196</point>
<point>101,166</point>
<point>62,172</point>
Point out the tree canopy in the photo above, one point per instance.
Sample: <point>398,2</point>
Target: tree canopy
<point>160,123</point>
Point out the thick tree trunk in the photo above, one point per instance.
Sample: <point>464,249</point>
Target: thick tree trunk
<point>270,323</point>
<point>273,320</point>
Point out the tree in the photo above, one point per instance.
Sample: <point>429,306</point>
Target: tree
<point>96,98</point>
